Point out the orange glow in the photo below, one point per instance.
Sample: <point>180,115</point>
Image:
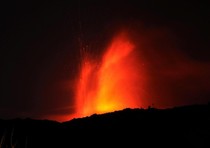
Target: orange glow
<point>113,83</point>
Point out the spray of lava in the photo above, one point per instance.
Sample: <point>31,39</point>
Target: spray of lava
<point>113,83</point>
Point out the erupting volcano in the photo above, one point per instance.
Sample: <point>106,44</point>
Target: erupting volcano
<point>112,83</point>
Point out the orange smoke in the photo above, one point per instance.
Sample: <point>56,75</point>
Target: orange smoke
<point>113,83</point>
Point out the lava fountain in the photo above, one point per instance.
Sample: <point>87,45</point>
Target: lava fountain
<point>112,83</point>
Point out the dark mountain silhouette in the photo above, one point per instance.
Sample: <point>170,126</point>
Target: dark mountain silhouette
<point>187,126</point>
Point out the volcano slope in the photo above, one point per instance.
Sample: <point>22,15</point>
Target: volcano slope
<point>186,126</point>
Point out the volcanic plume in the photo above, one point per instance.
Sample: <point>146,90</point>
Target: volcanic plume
<point>112,83</point>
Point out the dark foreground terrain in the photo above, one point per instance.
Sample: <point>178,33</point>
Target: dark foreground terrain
<point>187,126</point>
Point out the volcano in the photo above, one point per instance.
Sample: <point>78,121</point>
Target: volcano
<point>186,126</point>
<point>112,83</point>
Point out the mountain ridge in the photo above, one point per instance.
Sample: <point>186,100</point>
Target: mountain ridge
<point>172,127</point>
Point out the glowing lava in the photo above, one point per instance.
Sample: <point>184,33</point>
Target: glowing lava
<point>113,83</point>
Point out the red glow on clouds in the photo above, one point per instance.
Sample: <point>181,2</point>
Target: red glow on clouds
<point>113,83</point>
<point>137,69</point>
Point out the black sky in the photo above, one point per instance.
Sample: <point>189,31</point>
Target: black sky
<point>40,50</point>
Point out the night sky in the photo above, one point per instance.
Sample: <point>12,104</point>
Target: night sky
<point>41,51</point>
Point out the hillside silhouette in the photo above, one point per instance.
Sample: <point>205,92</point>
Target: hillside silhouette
<point>187,126</point>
